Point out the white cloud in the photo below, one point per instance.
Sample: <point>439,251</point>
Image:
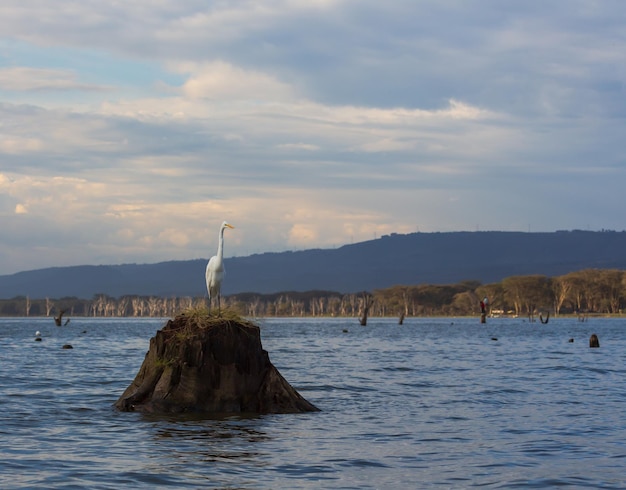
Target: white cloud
<point>17,144</point>
<point>220,80</point>
<point>298,146</point>
<point>129,131</point>
<point>303,235</point>
<point>174,236</point>
<point>21,78</point>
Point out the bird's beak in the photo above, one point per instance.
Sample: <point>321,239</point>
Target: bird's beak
<point>229,226</point>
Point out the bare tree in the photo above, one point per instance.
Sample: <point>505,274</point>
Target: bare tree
<point>153,306</point>
<point>49,305</point>
<point>138,305</point>
<point>122,305</point>
<point>253,306</point>
<point>562,288</point>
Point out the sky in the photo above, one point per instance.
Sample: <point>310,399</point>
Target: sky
<point>130,130</point>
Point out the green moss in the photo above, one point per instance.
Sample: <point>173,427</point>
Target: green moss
<point>163,363</point>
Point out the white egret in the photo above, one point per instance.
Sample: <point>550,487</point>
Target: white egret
<point>215,269</point>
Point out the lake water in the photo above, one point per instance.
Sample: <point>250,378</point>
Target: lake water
<point>434,403</point>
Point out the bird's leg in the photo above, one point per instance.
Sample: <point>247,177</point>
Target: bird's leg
<point>219,306</point>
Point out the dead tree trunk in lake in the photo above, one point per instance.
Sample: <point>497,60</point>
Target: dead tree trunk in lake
<point>367,302</point>
<point>59,318</point>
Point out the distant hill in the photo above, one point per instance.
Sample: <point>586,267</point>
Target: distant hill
<point>416,258</point>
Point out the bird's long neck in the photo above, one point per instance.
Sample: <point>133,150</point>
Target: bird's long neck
<point>220,244</point>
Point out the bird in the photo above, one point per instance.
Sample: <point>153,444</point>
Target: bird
<point>215,269</point>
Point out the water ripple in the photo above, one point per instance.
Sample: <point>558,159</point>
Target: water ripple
<point>435,402</point>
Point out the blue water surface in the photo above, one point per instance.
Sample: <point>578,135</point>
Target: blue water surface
<point>433,403</point>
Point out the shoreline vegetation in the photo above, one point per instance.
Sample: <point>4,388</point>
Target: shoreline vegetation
<point>589,292</point>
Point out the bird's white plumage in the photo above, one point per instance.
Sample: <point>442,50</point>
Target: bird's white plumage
<point>215,268</point>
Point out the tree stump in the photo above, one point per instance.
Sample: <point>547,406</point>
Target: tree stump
<point>209,364</point>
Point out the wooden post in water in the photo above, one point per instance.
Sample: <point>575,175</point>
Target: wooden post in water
<point>368,301</point>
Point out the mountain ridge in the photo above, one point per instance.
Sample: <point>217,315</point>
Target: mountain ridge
<point>416,258</point>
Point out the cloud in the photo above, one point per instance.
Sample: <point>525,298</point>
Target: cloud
<point>219,80</point>
<point>16,145</point>
<point>298,146</point>
<point>303,234</point>
<point>131,130</point>
<point>20,78</point>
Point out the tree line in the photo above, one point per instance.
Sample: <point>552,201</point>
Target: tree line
<point>589,291</point>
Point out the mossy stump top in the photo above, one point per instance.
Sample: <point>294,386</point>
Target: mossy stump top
<point>210,364</point>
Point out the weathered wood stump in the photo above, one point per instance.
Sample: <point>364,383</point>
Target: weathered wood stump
<point>210,364</point>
